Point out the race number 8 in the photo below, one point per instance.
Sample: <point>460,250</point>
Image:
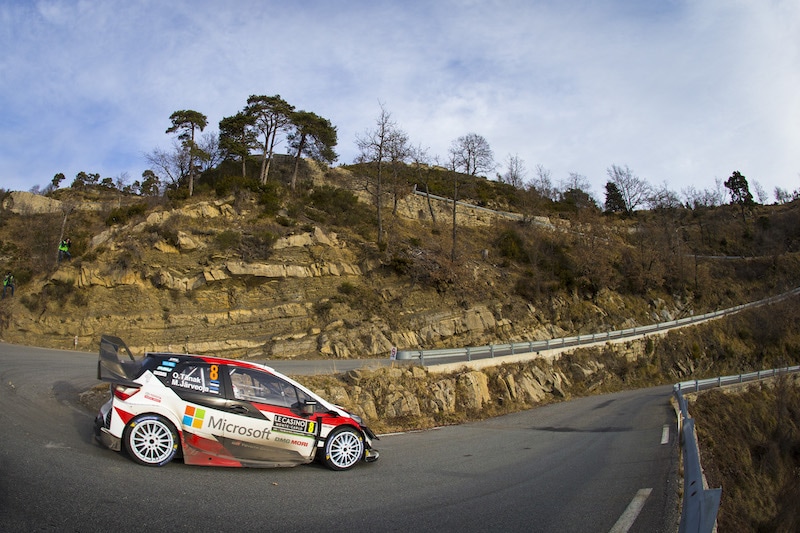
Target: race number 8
<point>214,372</point>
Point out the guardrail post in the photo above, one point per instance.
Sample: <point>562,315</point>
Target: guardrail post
<point>491,351</point>
<point>469,355</point>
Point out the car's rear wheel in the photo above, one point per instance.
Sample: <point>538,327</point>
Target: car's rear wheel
<point>343,449</point>
<point>151,440</point>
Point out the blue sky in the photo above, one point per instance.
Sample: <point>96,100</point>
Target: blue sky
<point>682,92</point>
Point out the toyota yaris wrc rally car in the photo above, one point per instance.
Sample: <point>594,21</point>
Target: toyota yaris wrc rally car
<point>220,412</point>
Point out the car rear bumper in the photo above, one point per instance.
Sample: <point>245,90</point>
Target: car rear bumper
<point>104,437</point>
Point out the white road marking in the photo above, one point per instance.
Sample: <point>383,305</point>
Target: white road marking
<point>665,434</point>
<point>634,508</point>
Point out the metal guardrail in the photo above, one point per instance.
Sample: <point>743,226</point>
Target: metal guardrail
<point>506,214</point>
<point>700,505</point>
<point>500,350</point>
<point>697,385</point>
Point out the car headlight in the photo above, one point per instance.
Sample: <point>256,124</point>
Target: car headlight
<point>356,418</point>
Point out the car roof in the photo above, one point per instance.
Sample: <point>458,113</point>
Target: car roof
<point>212,360</point>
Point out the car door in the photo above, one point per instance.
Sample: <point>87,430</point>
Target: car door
<point>202,410</point>
<point>279,434</point>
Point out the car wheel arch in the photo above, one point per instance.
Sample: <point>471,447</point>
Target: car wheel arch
<point>161,441</point>
<point>340,451</point>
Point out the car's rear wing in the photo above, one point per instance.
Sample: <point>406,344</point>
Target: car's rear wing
<point>113,369</point>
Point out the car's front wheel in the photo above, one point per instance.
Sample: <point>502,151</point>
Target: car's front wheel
<point>343,449</point>
<point>151,440</point>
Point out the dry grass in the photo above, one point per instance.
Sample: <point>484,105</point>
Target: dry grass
<point>750,446</point>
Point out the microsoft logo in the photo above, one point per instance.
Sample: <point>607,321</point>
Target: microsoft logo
<point>193,417</point>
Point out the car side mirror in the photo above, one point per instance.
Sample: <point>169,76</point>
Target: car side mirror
<point>309,407</point>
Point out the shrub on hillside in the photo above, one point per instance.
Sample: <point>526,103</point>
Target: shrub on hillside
<point>121,215</point>
<point>258,245</point>
<point>341,207</point>
<point>227,240</point>
<point>512,246</point>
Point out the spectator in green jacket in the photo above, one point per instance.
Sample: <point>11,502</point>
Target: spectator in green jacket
<point>63,249</point>
<point>8,283</point>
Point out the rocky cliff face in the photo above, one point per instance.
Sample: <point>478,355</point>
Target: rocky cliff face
<point>168,282</point>
<point>409,397</point>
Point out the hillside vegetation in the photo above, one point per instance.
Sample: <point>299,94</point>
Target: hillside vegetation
<point>244,269</point>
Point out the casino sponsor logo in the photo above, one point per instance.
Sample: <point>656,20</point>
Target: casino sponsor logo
<point>297,426</point>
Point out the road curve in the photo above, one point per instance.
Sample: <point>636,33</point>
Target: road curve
<point>592,464</point>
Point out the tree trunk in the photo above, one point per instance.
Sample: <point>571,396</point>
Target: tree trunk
<point>300,147</point>
<point>455,201</point>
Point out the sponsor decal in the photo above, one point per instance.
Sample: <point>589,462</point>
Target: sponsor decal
<point>170,364</point>
<point>293,442</point>
<point>234,429</point>
<point>193,417</point>
<point>298,426</point>
<point>152,397</point>
<point>159,373</point>
<point>164,368</point>
<point>213,376</point>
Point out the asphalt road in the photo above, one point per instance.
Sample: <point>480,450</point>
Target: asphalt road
<point>582,466</point>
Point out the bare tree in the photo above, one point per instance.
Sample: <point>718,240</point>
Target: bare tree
<point>663,198</point>
<point>761,192</point>
<point>209,145</point>
<point>399,152</point>
<point>515,172</point>
<point>696,199</point>
<point>634,190</point>
<point>377,147</point>
<point>422,167</point>
<point>783,196</point>
<point>542,183</point>
<point>173,165</point>
<point>574,182</point>
<point>453,167</point>
<point>471,154</point>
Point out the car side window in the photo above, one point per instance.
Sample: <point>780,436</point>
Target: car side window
<point>254,386</point>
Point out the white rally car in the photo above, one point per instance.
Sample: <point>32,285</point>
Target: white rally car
<point>220,412</point>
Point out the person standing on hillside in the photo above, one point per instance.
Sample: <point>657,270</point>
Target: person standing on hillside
<point>8,282</point>
<point>63,249</point>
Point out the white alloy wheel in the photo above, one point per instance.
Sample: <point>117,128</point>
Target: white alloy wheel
<point>151,440</point>
<point>343,449</point>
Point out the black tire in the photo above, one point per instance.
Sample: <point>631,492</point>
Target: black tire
<point>343,449</point>
<point>151,440</point>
